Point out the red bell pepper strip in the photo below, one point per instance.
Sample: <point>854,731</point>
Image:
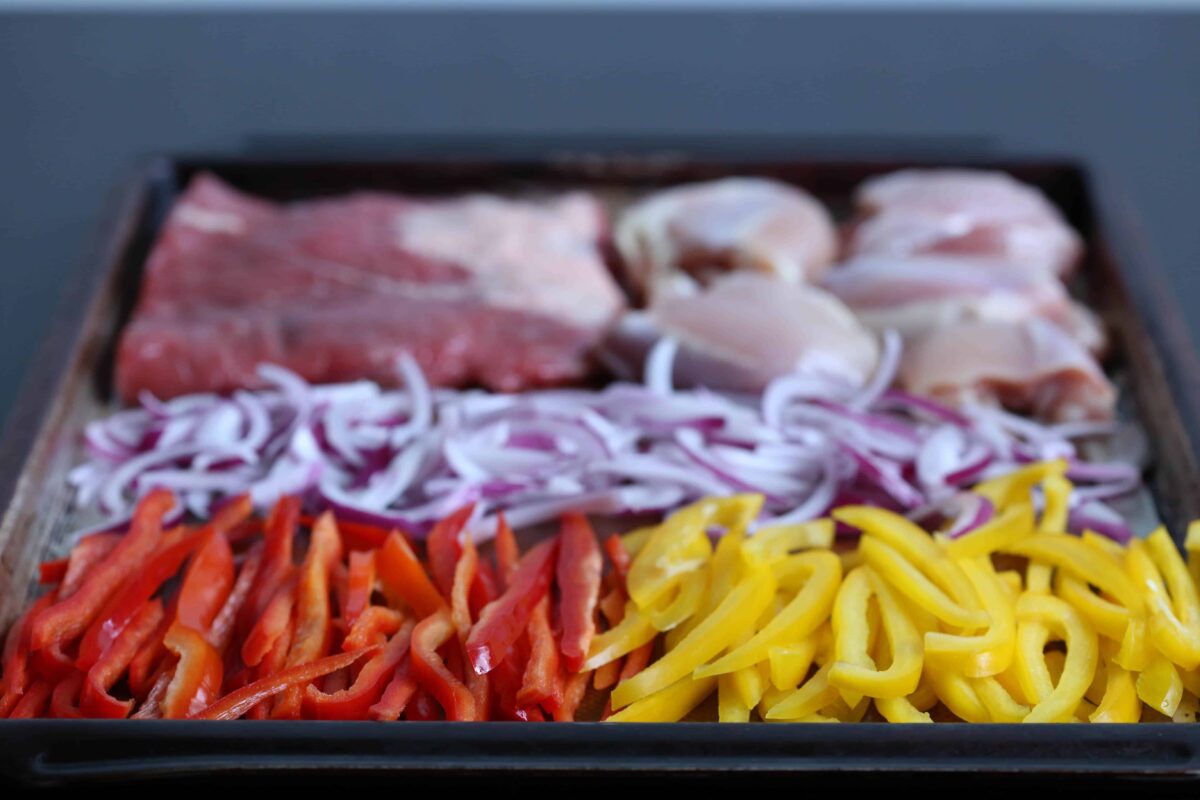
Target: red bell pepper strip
<point>148,662</point>
<point>606,675</point>
<point>580,568</point>
<point>355,701</point>
<point>277,563</point>
<point>374,626</point>
<point>86,553</point>
<point>221,630</point>
<point>16,655</point>
<point>573,694</point>
<point>361,585</point>
<point>274,662</point>
<point>484,589</point>
<point>151,707</point>
<point>431,672</point>
<point>423,707</point>
<point>312,634</point>
<point>464,576</point>
<point>33,703</point>
<point>130,598</point>
<point>64,700</point>
<point>506,618</point>
<point>69,618</point>
<point>404,580</point>
<point>240,701</point>
<point>619,556</point>
<point>52,571</point>
<point>206,583</point>
<point>541,684</point>
<point>270,626</point>
<point>635,662</point>
<point>396,695</point>
<point>443,548</point>
<point>355,535</point>
<point>198,674</point>
<point>507,552</point>
<point>95,700</point>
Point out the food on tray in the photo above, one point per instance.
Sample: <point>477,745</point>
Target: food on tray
<point>809,442</point>
<point>687,235</point>
<point>1008,620</point>
<point>351,625</point>
<point>963,212</point>
<point>919,293</point>
<point>744,330</point>
<point>1031,366</point>
<point>999,615</point>
<point>478,289</point>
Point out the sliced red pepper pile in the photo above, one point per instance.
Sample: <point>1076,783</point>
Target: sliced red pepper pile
<point>295,617</point>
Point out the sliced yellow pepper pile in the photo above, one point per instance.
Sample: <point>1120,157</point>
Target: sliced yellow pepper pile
<point>1016,621</point>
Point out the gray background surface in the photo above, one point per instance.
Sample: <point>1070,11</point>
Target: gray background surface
<point>83,95</point>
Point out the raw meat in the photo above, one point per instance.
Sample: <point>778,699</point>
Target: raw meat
<point>914,294</point>
<point>1028,366</point>
<point>744,329</point>
<point>690,234</point>
<point>482,289</point>
<point>964,212</point>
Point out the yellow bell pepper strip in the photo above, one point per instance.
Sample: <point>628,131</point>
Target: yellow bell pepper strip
<point>774,542</point>
<point>739,610</point>
<point>751,683</point>
<point>816,693</point>
<point>723,572</point>
<point>730,706</point>
<point>1191,544</point>
<point>736,512</point>
<point>1184,598</point>
<point>958,695</point>
<point>1191,680</point>
<point>1016,485</point>
<point>924,698</point>
<point>1109,619</point>
<point>791,663</point>
<point>1173,638</point>
<point>798,619</point>
<point>1056,493</point>
<point>842,712</point>
<point>1001,705</point>
<point>1160,686</point>
<point>916,546</point>
<point>851,622</point>
<point>636,539</point>
<point>1011,526</point>
<point>1120,702</point>
<point>989,653</point>
<point>854,672</point>
<point>899,709</point>
<point>908,579</point>
<point>1082,655</point>
<point>684,605</point>
<point>1072,555</point>
<point>1103,544</point>
<point>1013,582</point>
<point>676,547</point>
<point>633,631</point>
<point>668,705</point>
<point>1137,648</point>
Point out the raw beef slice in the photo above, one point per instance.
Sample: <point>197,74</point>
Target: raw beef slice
<point>480,289</point>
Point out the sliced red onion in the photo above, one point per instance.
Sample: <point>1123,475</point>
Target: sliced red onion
<point>885,372</point>
<point>660,365</point>
<point>1098,517</point>
<point>969,511</point>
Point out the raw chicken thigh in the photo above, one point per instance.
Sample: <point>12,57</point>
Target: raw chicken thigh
<point>915,294</point>
<point>965,212</point>
<point>690,234</point>
<point>744,330</point>
<point>1027,366</point>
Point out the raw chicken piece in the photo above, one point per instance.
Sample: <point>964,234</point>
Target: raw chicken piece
<point>744,330</point>
<point>1031,366</point>
<point>479,289</point>
<point>691,234</point>
<point>965,212</point>
<point>914,294</point>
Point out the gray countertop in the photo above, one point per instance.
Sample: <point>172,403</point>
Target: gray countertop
<point>83,96</point>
